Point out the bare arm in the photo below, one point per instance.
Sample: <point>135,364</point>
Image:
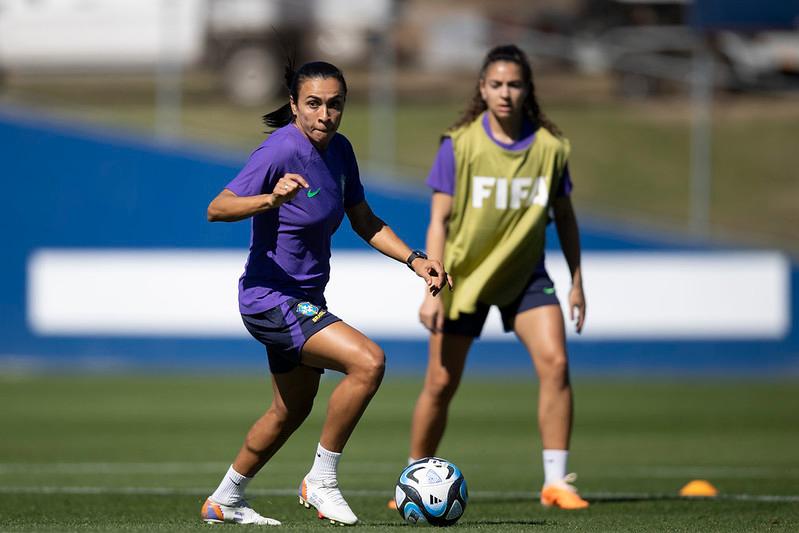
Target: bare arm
<point>377,233</point>
<point>569,235</point>
<point>383,239</point>
<point>431,312</point>
<point>228,207</point>
<point>440,211</point>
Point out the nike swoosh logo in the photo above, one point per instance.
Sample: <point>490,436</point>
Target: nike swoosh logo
<point>311,194</point>
<point>237,484</point>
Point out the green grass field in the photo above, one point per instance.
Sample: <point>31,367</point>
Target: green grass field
<point>107,453</point>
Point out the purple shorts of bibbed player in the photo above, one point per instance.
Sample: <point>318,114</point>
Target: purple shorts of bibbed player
<point>285,328</point>
<point>539,291</point>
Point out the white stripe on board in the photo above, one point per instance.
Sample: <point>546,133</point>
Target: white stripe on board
<point>192,293</point>
<point>492,495</point>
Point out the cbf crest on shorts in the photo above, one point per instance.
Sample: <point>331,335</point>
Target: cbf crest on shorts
<point>307,309</point>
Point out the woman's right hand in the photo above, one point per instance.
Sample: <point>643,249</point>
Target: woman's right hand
<point>287,188</point>
<point>431,313</point>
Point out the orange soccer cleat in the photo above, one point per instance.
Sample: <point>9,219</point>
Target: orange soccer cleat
<point>563,495</point>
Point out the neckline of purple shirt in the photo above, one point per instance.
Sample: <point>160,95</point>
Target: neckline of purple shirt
<point>526,135</point>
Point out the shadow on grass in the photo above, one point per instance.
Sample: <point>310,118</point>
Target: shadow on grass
<point>630,499</point>
<point>466,523</point>
<point>506,522</point>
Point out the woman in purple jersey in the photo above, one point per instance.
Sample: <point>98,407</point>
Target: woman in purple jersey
<point>297,186</point>
<point>505,126</point>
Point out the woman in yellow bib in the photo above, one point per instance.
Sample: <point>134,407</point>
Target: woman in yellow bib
<point>500,171</point>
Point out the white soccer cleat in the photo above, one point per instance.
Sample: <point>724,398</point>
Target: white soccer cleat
<point>326,497</point>
<point>242,513</point>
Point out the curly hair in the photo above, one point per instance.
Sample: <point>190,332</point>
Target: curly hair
<point>512,54</point>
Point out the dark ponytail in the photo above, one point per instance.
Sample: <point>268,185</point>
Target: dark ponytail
<point>316,69</point>
<point>512,54</point>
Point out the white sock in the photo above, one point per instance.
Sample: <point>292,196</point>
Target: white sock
<point>411,460</point>
<point>231,490</point>
<point>325,465</point>
<point>555,465</point>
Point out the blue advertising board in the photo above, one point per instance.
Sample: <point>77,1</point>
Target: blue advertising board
<point>109,264</point>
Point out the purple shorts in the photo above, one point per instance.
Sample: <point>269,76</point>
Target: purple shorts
<point>540,291</point>
<point>284,329</point>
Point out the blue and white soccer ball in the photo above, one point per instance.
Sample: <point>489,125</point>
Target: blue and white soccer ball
<point>431,491</point>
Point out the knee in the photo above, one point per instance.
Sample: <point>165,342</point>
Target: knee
<point>377,363</point>
<point>555,366</point>
<point>371,365</point>
<point>292,416</point>
<point>441,385</point>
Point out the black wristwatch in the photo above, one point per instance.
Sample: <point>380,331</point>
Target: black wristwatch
<point>416,254</point>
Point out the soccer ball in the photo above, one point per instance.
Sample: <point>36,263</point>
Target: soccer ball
<point>431,491</point>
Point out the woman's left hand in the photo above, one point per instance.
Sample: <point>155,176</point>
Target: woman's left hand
<point>577,306</point>
<point>433,273</point>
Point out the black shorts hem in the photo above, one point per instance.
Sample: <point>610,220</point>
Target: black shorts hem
<point>284,329</point>
<point>539,292</point>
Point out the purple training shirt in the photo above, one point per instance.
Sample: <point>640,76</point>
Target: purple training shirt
<point>290,246</point>
<point>442,173</point>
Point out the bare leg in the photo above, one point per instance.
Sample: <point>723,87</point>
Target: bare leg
<point>293,395</point>
<point>542,331</point>
<point>343,348</point>
<point>337,347</point>
<point>447,357</point>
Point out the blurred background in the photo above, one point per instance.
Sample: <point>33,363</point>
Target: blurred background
<point>120,120</point>
<point>127,379</point>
